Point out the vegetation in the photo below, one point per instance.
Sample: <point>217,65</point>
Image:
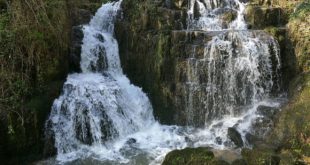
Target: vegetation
<point>299,33</point>
<point>289,141</point>
<point>34,45</point>
<point>302,10</point>
<point>35,42</point>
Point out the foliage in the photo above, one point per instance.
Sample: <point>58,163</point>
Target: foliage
<point>302,10</point>
<point>299,34</point>
<point>34,44</point>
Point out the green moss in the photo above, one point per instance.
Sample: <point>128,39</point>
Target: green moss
<point>190,156</point>
<point>299,34</point>
<point>4,20</point>
<point>301,11</point>
<point>161,51</point>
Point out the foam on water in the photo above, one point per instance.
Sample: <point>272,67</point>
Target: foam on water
<point>102,116</point>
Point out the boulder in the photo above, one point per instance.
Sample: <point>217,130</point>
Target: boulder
<point>192,156</point>
<point>131,141</point>
<point>235,137</point>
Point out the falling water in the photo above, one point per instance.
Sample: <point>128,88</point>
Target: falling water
<point>101,116</point>
<point>210,15</point>
<point>235,71</point>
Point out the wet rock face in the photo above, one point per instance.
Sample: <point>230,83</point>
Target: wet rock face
<point>266,111</point>
<point>235,137</point>
<point>147,52</point>
<point>172,66</point>
<point>80,17</point>
<point>204,67</point>
<point>83,16</point>
<point>49,141</point>
<point>250,138</point>
<point>76,41</point>
<point>75,49</point>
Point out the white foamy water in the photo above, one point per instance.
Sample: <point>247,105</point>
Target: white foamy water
<point>210,15</point>
<point>102,117</point>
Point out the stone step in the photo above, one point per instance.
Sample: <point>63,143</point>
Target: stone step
<point>188,48</point>
<point>198,37</point>
<point>191,44</point>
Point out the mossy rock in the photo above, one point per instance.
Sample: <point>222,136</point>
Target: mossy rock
<point>292,127</point>
<point>259,17</point>
<point>290,137</point>
<point>299,35</point>
<point>192,156</point>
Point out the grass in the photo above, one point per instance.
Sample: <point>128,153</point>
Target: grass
<point>301,11</point>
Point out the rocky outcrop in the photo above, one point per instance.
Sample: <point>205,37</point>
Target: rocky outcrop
<point>155,57</point>
<point>288,142</point>
<point>148,51</point>
<point>153,52</point>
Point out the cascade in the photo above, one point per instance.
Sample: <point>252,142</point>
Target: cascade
<point>102,116</point>
<point>238,68</point>
<point>235,71</point>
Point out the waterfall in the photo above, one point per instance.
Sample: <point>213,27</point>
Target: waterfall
<point>102,116</point>
<point>210,14</point>
<point>235,71</point>
<point>239,67</point>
